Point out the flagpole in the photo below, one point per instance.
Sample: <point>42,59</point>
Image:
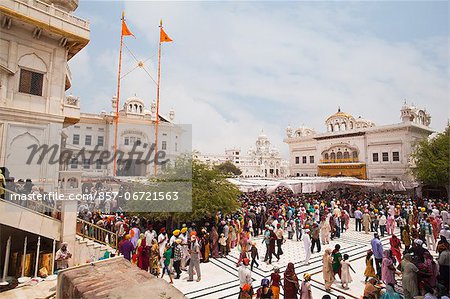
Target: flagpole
<point>155,166</point>
<point>118,98</point>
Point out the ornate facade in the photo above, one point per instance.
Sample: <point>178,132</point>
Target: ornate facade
<point>262,161</point>
<point>37,39</point>
<point>96,133</point>
<point>357,147</point>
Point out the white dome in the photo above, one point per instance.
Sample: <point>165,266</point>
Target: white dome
<point>304,131</point>
<point>134,105</point>
<point>134,99</point>
<point>364,123</point>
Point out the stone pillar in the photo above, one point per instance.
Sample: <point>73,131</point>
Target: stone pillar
<point>69,224</point>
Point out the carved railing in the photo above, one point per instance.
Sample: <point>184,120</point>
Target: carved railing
<point>51,9</point>
<point>342,160</point>
<point>96,233</point>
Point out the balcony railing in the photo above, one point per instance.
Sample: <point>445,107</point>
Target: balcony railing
<point>96,233</point>
<point>33,203</point>
<point>51,10</point>
<point>342,160</point>
<point>72,101</point>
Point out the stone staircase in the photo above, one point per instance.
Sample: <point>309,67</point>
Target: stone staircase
<point>87,251</point>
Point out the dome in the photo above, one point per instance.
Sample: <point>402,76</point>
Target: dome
<point>363,123</point>
<point>340,121</point>
<point>304,131</point>
<point>340,114</point>
<point>134,105</point>
<point>134,99</point>
<point>262,135</point>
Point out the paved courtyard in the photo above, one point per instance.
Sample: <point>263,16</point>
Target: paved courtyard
<point>220,276</point>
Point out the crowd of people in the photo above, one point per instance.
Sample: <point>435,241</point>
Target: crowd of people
<point>416,261</point>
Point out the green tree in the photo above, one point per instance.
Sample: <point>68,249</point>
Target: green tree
<point>432,160</point>
<point>227,168</point>
<point>211,192</point>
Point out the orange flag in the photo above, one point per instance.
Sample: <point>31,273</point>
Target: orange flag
<point>125,30</point>
<point>163,37</point>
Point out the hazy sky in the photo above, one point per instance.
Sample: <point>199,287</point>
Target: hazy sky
<point>236,68</point>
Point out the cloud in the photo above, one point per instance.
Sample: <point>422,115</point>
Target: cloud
<point>236,68</point>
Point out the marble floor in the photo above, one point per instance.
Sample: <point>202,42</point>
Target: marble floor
<point>220,276</point>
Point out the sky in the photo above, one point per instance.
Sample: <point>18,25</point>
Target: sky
<point>237,68</point>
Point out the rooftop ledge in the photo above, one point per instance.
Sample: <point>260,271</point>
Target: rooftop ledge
<point>48,17</point>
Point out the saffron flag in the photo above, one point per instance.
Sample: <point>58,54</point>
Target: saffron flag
<point>163,37</point>
<point>125,30</point>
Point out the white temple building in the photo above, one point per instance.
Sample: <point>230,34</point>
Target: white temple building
<point>95,133</point>
<point>262,161</point>
<point>358,148</point>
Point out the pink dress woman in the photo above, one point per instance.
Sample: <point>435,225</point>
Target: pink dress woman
<point>387,268</point>
<point>390,225</point>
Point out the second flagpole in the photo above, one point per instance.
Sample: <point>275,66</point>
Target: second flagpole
<point>155,166</point>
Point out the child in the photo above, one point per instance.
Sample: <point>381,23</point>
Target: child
<point>305,290</point>
<point>223,245</point>
<point>370,270</point>
<point>167,256</point>
<point>346,278</point>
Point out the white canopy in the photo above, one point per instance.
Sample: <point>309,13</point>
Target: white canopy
<point>316,184</point>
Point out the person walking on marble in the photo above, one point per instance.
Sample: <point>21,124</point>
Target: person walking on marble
<point>307,246</point>
<point>346,277</point>
<point>194,261</point>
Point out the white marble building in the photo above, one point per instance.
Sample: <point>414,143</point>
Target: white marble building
<point>357,147</point>
<point>37,39</point>
<point>262,161</point>
<point>96,132</point>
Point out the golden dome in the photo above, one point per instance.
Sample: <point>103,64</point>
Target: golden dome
<point>339,113</point>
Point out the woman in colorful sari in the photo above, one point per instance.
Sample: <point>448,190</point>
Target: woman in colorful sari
<point>390,224</point>
<point>406,239</point>
<point>370,270</point>
<point>291,284</point>
<point>328,274</point>
<point>409,277</point>
<point>206,246</point>
<point>143,258</point>
<point>390,293</point>
<point>214,242</point>
<point>337,257</point>
<point>233,233</point>
<point>387,268</point>
<point>430,268</point>
<point>154,258</point>
<point>396,246</point>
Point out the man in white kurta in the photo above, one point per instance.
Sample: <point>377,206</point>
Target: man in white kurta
<point>307,246</point>
<point>162,241</point>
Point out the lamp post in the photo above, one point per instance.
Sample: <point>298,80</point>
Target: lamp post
<point>23,278</point>
<point>3,282</point>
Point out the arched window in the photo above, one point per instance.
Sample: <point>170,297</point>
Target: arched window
<point>343,126</point>
<point>339,155</point>
<point>336,127</point>
<point>326,156</point>
<point>346,155</point>
<point>333,156</point>
<point>331,128</point>
<point>355,154</point>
